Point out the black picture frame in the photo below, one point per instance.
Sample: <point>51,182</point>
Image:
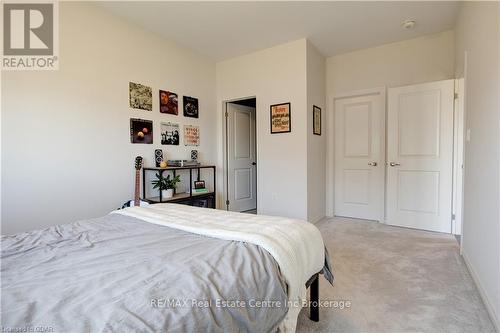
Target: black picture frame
<point>141,131</point>
<point>289,129</point>
<point>199,184</point>
<point>190,107</point>
<point>316,113</point>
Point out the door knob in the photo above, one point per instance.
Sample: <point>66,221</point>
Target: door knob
<point>394,164</point>
<point>253,163</point>
<point>373,163</point>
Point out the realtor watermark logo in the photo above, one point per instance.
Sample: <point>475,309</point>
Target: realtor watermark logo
<point>30,35</point>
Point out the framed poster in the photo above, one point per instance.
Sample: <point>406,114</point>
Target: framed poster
<point>316,120</point>
<point>190,107</point>
<point>140,96</point>
<point>281,118</point>
<point>141,131</point>
<point>169,134</point>
<point>191,135</point>
<point>168,102</point>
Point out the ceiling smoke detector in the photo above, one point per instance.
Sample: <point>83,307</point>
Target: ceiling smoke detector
<point>408,24</point>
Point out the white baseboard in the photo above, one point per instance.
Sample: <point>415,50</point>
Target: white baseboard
<point>317,219</point>
<point>489,306</point>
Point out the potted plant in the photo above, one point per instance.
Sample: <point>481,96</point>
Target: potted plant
<point>166,185</point>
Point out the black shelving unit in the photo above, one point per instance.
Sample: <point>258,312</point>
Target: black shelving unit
<point>206,199</point>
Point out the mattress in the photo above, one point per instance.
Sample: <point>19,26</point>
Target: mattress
<point>121,273</point>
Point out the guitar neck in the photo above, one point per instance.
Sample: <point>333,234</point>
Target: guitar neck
<point>137,188</point>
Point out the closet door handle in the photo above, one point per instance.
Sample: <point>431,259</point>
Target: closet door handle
<point>373,163</point>
<point>392,164</point>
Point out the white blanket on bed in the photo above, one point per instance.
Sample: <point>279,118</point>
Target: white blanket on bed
<point>296,245</point>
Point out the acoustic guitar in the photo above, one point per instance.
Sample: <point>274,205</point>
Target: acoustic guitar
<point>137,201</point>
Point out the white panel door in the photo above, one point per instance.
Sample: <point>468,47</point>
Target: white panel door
<point>419,155</point>
<point>241,149</point>
<point>359,156</point>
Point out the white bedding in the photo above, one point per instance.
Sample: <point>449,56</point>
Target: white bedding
<point>296,245</point>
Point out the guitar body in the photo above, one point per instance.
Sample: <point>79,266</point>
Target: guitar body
<point>137,202</point>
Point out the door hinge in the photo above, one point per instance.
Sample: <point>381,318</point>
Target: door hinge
<point>226,114</point>
<point>453,217</point>
<point>455,95</point>
<point>227,202</point>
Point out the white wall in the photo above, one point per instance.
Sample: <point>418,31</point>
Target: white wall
<point>274,75</point>
<point>478,34</point>
<point>316,145</point>
<point>66,151</point>
<point>423,59</point>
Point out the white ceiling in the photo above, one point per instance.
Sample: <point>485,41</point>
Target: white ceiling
<point>222,30</point>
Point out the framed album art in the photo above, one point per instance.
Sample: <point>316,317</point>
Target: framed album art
<point>170,133</point>
<point>191,135</point>
<point>316,120</point>
<point>141,131</point>
<point>140,96</point>
<point>190,107</point>
<point>281,118</point>
<point>168,102</point>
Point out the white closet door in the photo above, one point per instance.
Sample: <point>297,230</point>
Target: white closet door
<point>419,155</point>
<point>359,158</point>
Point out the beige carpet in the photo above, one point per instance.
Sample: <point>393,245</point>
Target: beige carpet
<point>398,280</point>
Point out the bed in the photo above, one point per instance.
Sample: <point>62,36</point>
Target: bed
<point>160,268</point>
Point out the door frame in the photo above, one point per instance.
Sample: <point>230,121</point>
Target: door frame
<point>225,179</point>
<point>458,156</point>
<point>382,91</point>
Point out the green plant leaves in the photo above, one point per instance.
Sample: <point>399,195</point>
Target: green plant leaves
<point>165,183</point>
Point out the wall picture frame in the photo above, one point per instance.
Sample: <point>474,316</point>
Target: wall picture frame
<point>281,118</point>
<point>316,120</point>
<point>140,96</point>
<point>141,131</point>
<point>168,102</point>
<point>190,107</point>
<point>170,133</point>
<point>191,135</point>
